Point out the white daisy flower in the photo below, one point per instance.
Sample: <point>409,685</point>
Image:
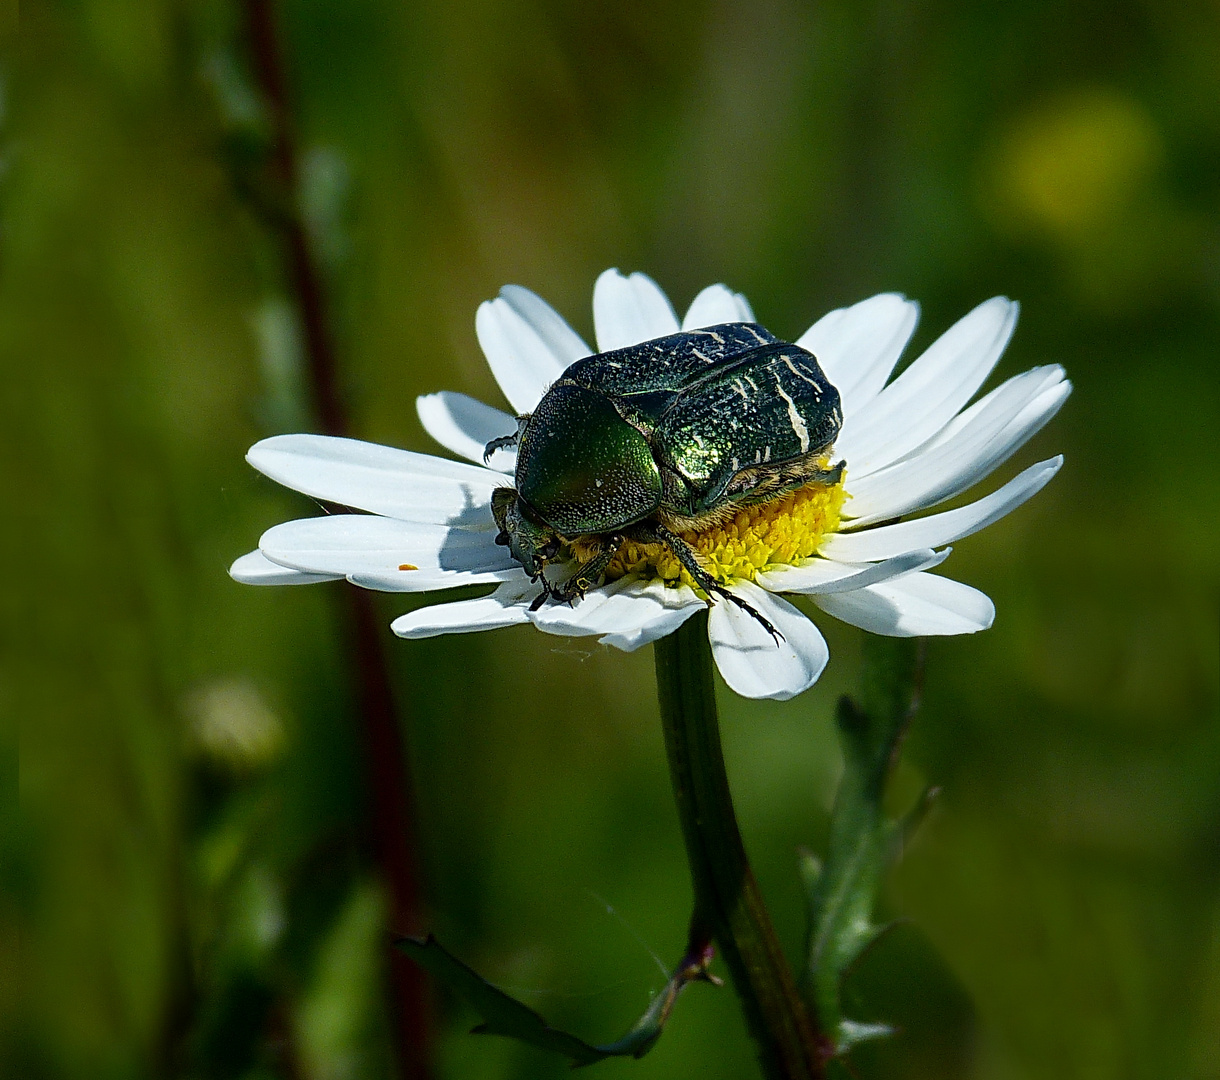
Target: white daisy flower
<point>853,548</point>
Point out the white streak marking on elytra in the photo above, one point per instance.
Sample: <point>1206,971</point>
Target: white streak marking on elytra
<point>794,418</point>
<point>767,454</point>
<point>757,336</point>
<point>801,375</point>
<point>702,356</point>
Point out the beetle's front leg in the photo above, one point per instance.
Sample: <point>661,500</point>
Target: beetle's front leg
<point>591,573</point>
<point>505,442</point>
<point>685,554</point>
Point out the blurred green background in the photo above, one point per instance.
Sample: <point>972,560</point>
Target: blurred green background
<point>187,886</point>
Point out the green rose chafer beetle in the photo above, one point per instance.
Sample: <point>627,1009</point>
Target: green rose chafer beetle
<point>669,436</point>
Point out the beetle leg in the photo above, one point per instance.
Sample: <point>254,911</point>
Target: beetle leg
<point>685,554</point>
<point>549,591</point>
<point>502,443</point>
<point>505,441</point>
<point>588,575</point>
<point>830,476</point>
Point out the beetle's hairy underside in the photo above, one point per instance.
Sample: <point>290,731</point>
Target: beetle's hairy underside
<point>671,436</point>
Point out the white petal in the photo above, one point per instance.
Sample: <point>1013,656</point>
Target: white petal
<point>665,622</point>
<point>628,310</point>
<point>507,606</point>
<point>914,606</point>
<point>824,576</point>
<point>370,551</point>
<point>564,343</point>
<point>930,393</point>
<point>429,580</point>
<point>465,426</point>
<point>858,346</point>
<point>717,304</point>
<point>256,569</point>
<point>629,612</point>
<point>886,541</point>
<point>970,448</point>
<point>527,344</point>
<point>752,662</point>
<point>380,479</point>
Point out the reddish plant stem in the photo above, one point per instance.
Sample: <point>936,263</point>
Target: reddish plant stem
<point>305,277</point>
<point>393,823</point>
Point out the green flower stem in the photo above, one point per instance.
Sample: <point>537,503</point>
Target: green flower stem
<point>727,898</point>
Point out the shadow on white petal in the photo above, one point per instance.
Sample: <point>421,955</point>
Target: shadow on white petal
<point>919,605</point>
<point>751,661</point>
<point>465,426</point>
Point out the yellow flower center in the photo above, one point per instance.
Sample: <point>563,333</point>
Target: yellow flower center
<point>784,530</point>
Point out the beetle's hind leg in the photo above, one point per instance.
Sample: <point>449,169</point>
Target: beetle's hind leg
<point>685,554</point>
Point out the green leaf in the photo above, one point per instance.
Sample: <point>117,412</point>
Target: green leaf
<point>505,1015</point>
<point>842,895</point>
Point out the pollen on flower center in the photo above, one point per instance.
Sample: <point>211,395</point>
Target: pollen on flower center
<point>783,530</point>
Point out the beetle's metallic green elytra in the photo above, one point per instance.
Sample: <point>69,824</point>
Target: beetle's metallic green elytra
<point>674,434</point>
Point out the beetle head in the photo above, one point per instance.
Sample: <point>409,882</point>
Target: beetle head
<point>529,541</point>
